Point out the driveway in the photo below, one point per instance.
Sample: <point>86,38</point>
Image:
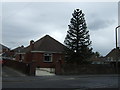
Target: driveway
<point>44,72</point>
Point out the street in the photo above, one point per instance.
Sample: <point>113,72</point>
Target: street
<point>14,79</point>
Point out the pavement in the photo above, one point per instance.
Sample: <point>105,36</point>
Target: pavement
<point>82,82</point>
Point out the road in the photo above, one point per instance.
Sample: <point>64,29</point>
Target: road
<point>17,80</point>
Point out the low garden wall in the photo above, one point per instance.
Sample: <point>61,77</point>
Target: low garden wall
<point>26,68</point>
<point>70,69</point>
<point>65,69</point>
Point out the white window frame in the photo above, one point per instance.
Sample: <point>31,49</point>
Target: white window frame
<point>108,58</point>
<point>48,54</point>
<point>111,58</point>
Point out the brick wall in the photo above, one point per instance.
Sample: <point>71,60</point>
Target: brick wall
<point>39,59</point>
<point>69,69</point>
<point>26,68</point>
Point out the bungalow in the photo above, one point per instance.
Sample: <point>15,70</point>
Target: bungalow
<point>3,49</point>
<point>111,56</point>
<point>97,60</point>
<point>12,53</point>
<point>45,52</point>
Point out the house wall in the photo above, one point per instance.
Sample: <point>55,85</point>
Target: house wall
<point>28,57</point>
<point>21,57</point>
<point>17,57</point>
<point>38,58</point>
<point>5,50</point>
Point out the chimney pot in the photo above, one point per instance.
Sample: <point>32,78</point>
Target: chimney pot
<point>31,44</point>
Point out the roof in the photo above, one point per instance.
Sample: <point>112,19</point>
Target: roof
<point>46,44</point>
<point>3,47</point>
<point>112,53</point>
<point>18,49</point>
<point>95,58</point>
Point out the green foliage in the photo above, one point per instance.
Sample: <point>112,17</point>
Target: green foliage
<point>78,39</point>
<point>97,54</point>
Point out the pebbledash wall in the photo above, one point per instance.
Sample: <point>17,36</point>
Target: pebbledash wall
<point>38,58</point>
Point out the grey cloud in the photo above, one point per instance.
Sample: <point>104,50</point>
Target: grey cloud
<point>25,21</point>
<point>100,24</point>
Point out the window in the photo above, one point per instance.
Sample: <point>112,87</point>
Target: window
<point>111,58</point>
<point>108,58</point>
<point>47,57</point>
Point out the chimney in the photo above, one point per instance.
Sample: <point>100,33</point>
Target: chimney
<point>31,45</point>
<point>22,46</point>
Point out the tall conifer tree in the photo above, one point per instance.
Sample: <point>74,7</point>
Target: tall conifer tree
<point>78,39</point>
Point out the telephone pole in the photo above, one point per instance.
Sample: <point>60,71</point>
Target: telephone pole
<point>116,48</point>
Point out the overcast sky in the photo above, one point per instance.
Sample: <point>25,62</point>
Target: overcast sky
<point>22,22</point>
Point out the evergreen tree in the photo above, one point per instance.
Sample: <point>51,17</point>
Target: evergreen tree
<point>78,39</point>
<point>97,54</point>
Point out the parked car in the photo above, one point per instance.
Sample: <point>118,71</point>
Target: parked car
<point>2,62</point>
